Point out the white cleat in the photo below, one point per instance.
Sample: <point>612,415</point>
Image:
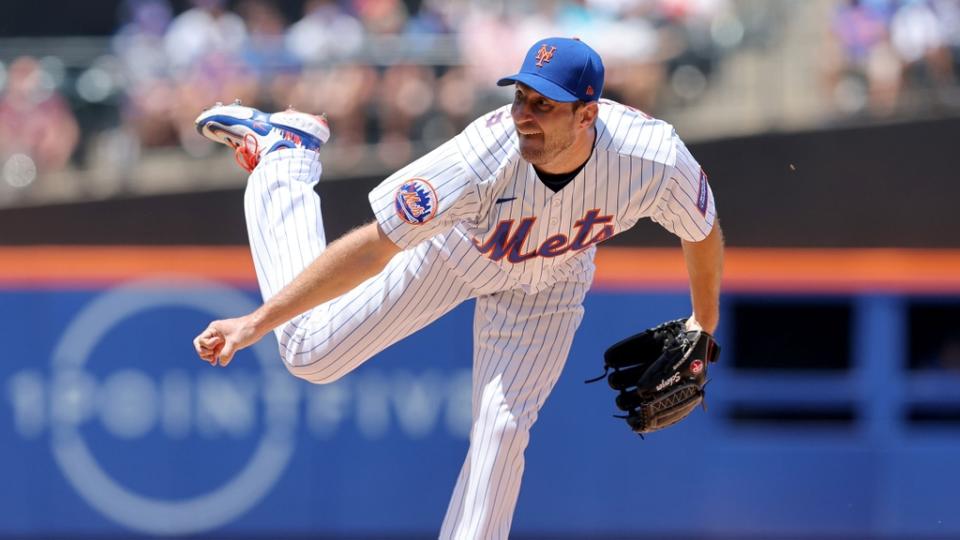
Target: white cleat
<point>253,133</point>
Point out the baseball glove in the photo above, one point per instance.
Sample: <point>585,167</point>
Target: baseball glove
<point>659,374</point>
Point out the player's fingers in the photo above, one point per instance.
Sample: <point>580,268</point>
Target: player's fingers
<point>204,353</point>
<point>208,344</point>
<point>208,353</point>
<point>215,352</point>
<point>210,338</point>
<point>226,354</point>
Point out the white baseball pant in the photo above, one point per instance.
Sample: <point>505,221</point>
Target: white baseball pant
<point>521,341</point>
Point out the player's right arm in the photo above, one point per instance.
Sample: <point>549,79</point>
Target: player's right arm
<point>423,199</point>
<point>346,263</point>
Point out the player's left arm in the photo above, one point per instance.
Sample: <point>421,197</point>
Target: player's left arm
<point>704,261</point>
<point>687,209</point>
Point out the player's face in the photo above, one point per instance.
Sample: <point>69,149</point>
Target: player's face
<point>545,127</point>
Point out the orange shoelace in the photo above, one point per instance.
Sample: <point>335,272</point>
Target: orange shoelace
<point>247,153</point>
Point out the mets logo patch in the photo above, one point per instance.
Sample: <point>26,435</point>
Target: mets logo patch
<point>416,201</point>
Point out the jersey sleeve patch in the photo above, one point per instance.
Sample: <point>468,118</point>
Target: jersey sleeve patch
<point>702,194</point>
<point>416,201</point>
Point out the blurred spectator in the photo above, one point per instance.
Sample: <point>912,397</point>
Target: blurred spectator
<point>457,103</point>
<point>35,121</point>
<point>326,32</point>
<point>265,53</point>
<point>345,92</point>
<point>327,39</point>
<point>866,73</point>
<point>690,45</point>
<point>139,44</point>
<point>890,50</point>
<point>635,53</point>
<point>432,18</point>
<point>217,77</point>
<point>381,17</point>
<point>205,47</point>
<point>920,40</point>
<point>488,45</point>
<point>948,14</point>
<point>398,71</point>
<point>406,94</point>
<point>205,29</point>
<point>428,27</point>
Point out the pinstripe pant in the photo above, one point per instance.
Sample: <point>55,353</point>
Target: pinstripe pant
<point>521,340</point>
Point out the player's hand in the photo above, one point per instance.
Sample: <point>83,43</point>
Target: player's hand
<point>693,324</point>
<point>222,339</point>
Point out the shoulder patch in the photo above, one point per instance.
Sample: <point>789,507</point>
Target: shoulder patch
<point>416,201</point>
<point>702,193</point>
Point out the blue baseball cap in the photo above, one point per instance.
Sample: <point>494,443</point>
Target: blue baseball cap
<point>561,69</point>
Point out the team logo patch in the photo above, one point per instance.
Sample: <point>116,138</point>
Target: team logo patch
<point>416,201</point>
<point>696,366</point>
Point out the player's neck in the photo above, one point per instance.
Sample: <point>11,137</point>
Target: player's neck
<point>574,157</point>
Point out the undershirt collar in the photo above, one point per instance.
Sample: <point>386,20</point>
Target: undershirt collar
<point>556,182</point>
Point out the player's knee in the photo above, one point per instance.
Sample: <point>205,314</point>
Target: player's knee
<point>314,377</point>
<point>308,368</point>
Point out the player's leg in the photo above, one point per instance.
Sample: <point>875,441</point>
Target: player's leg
<point>284,222</point>
<point>283,215</point>
<point>415,288</point>
<point>285,229</point>
<point>521,343</point>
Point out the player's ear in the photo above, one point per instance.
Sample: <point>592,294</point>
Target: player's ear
<point>588,113</point>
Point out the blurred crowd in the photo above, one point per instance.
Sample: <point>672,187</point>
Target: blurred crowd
<point>386,72</point>
<point>895,54</point>
<point>326,60</point>
<point>391,74</point>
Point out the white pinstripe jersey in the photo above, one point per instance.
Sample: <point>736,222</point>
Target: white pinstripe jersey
<point>482,203</point>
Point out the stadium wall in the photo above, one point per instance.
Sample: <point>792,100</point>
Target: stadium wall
<point>882,186</point>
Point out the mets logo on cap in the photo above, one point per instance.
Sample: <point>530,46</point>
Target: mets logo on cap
<point>416,201</point>
<point>544,54</point>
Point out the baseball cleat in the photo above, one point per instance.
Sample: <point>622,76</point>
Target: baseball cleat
<point>254,134</point>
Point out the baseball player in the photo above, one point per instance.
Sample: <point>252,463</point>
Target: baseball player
<point>508,212</point>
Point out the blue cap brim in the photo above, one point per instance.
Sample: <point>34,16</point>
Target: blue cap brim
<point>547,89</point>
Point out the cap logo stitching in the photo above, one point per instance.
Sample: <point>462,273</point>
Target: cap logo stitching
<point>589,90</point>
<point>544,54</point>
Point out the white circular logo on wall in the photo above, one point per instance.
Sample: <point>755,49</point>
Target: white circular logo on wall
<point>148,514</point>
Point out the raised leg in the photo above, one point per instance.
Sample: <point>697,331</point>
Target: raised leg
<point>286,234</point>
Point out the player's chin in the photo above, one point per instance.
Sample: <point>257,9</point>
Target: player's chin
<point>532,148</point>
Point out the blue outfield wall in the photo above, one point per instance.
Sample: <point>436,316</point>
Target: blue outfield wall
<point>111,426</point>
